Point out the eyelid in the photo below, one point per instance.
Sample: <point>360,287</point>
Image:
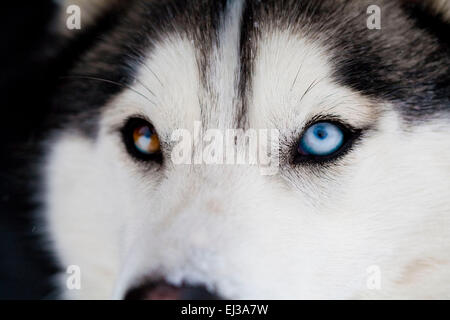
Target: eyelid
<point>118,125</point>
<point>335,119</point>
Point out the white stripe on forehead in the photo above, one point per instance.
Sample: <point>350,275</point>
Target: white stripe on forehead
<point>220,97</point>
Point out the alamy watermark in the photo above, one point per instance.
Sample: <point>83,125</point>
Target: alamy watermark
<point>73,21</point>
<point>73,281</point>
<point>374,19</point>
<point>259,147</point>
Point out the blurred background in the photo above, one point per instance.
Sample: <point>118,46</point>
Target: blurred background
<point>27,76</point>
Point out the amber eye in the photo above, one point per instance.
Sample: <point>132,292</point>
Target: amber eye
<point>141,139</point>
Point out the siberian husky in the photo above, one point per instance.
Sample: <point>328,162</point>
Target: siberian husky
<point>358,206</point>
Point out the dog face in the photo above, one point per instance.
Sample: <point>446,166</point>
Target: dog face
<point>324,223</point>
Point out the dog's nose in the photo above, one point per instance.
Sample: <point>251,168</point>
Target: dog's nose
<point>165,291</point>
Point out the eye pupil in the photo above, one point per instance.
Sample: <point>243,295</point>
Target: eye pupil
<point>320,132</point>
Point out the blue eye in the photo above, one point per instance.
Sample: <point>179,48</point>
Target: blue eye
<point>321,139</point>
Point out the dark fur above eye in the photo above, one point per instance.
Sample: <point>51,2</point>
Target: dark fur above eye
<point>141,140</point>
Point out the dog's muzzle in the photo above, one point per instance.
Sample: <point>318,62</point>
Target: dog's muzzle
<point>164,291</point>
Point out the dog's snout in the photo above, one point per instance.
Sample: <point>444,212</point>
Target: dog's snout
<point>165,291</point>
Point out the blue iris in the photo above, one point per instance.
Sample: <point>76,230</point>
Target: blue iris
<point>321,139</point>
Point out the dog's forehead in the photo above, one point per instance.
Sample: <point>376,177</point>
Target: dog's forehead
<point>221,41</point>
<point>220,62</point>
<point>229,35</point>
